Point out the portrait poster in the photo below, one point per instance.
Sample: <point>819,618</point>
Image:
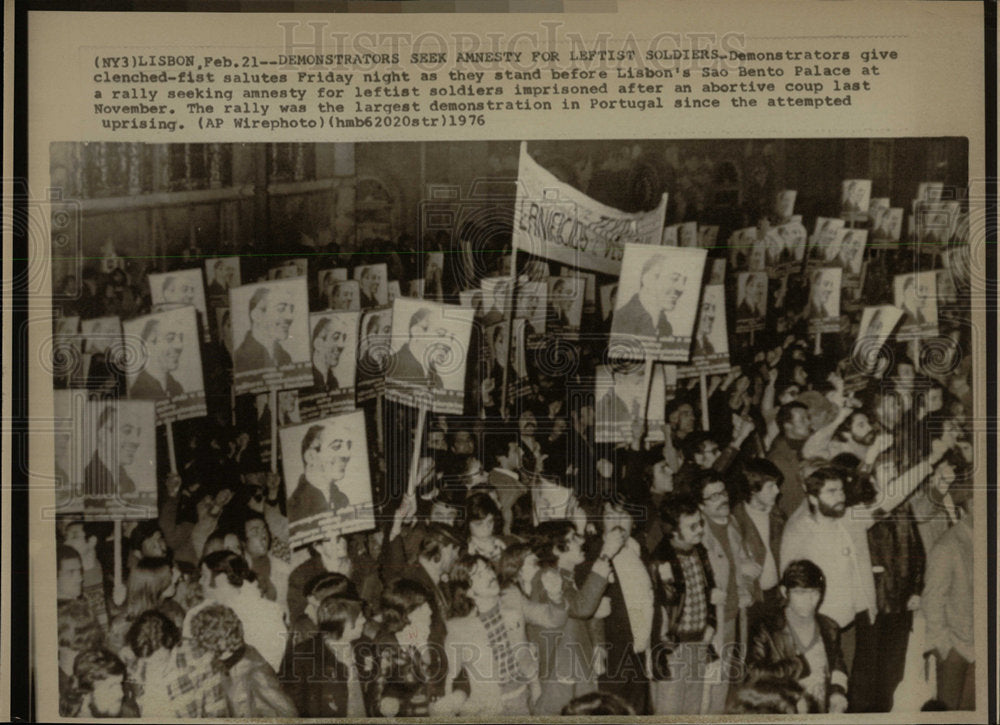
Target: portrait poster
<point>270,336</point>
<point>871,348</point>
<point>855,195</point>
<point>775,253</point>
<point>947,292</point>
<point>852,254</point>
<point>374,352</point>
<point>67,351</point>
<point>289,408</point>
<point>670,236</point>
<point>657,302</point>
<point>794,237</point>
<point>888,227</point>
<point>337,294</point>
<point>741,243</point>
<point>710,347</point>
<point>222,275</point>
<point>824,299</point>
<point>687,234</point>
<point>416,288</point>
<point>373,280</point>
<point>564,303</point>
<point>531,307</point>
<point>930,191</point>
<point>708,234</point>
<point>662,388</point>
<point>935,221</point>
<point>608,294</point>
<point>877,206</point>
<point>556,221</point>
<point>497,299</point>
<point>165,363</point>
<point>434,276</point>
<point>751,301</point>
<point>102,355</point>
<point>289,269</point>
<point>826,234</point>
<point>612,415</point>
<point>333,342</point>
<point>327,479</point>
<point>430,343</point>
<point>717,275</point>
<point>117,458</point>
<point>916,295</point>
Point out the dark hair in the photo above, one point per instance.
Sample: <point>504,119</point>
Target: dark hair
<point>64,553</point>
<point>231,564</point>
<point>437,537</point>
<point>217,629</point>
<point>511,560</point>
<point>551,540</point>
<point>766,696</point>
<point>784,416</point>
<point>78,628</point>
<point>92,666</point>
<point>144,530</point>
<point>478,506</point>
<point>598,703</point>
<point>675,404</point>
<point>323,323</point>
<point>311,435</point>
<point>702,479</point>
<point>258,296</point>
<point>151,631</point>
<point>329,584</point>
<point>251,516</point>
<point>460,582</point>
<point>693,443</point>
<point>675,506</point>
<point>759,471</point>
<point>336,612</point>
<point>817,479</point>
<point>399,598</point>
<point>803,574</point>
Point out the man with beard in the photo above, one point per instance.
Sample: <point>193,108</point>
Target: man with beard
<point>328,340</point>
<point>325,457</point>
<point>825,532</point>
<point>99,678</point>
<point>271,313</point>
<point>645,314</point>
<point>163,354</point>
<point>98,480</point>
<point>852,432</point>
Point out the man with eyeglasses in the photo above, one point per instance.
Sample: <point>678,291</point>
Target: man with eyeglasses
<point>325,458</point>
<point>271,313</point>
<point>164,346</point>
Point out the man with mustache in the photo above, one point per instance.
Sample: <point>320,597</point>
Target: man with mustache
<point>645,315</point>
<point>113,427</point>
<point>163,348</point>
<point>178,292</point>
<point>325,456</point>
<point>328,341</point>
<point>407,366</point>
<point>271,312</point>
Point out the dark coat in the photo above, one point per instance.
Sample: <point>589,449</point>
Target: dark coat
<point>306,500</point>
<point>251,355</point>
<point>317,681</point>
<point>633,319</point>
<point>146,387</point>
<point>751,539</point>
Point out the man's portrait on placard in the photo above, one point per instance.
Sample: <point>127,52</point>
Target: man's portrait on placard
<point>102,349</point>
<point>687,234</point>
<point>177,289</point>
<point>373,281</point>
<point>707,235</point>
<point>288,408</point>
<point>825,235</point>
<point>854,197</point>
<point>852,250</point>
<point>612,416</point>
<point>394,290</point>
<point>325,464</point>
<point>565,304</point>
<point>608,292</point>
<point>119,450</point>
<point>531,307</point>
<point>374,346</point>
<point>824,293</point>
<point>784,204</point>
<point>658,297</point>
<point>270,327</point>
<point>794,236</point>
<point>222,273</point>
<point>497,299</point>
<point>916,295</point>
<point>166,355</point>
<point>336,293</point>
<point>711,335</point>
<point>877,324</point>
<point>751,296</point>
<point>289,269</point>
<point>333,339</point>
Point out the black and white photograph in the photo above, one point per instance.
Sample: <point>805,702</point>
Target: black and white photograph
<point>221,275</point>
<point>373,282</point>
<point>888,227</point>
<point>784,204</point>
<point>657,300</point>
<point>289,269</point>
<point>916,295</point>
<point>855,195</point>
<point>118,458</point>
<point>720,422</point>
<point>178,289</point>
<point>167,363</point>
<point>334,343</point>
<point>751,301</point>
<point>325,465</point>
<point>687,234</point>
<point>430,345</point>
<point>270,335</point>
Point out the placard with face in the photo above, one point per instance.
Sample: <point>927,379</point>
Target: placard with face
<point>707,235</point>
<point>784,204</point>
<point>717,275</point>
<point>374,352</point>
<point>946,291</point>
<point>935,221</point>
<point>710,348</point>
<point>325,466</point>
<point>877,324</point>
<point>430,343</point>
<point>497,299</point>
<point>434,276</point>
<point>223,274</point>
<point>336,293</point>
<point>740,245</point>
<point>118,458</point>
<point>855,195</point>
<point>165,363</point>
<point>612,415</point>
<point>334,342</point>
<point>888,226</point>
<point>877,206</point>
<point>289,269</point>
<point>178,289</point>
<point>852,251</point>
<point>916,295</point>
<point>657,302</point>
<point>687,234</point>
<point>751,301</point>
<point>565,306</point>
<point>67,406</point>
<point>608,294</point>
<point>531,307</point>
<point>102,350</point>
<point>373,280</point>
<point>930,191</point>
<point>67,351</point>
<point>794,237</point>
<point>670,236</point>
<point>270,336</point>
<point>825,235</point>
<point>662,388</point>
<point>824,299</point>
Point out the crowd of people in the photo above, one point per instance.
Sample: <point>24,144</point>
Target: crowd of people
<point>773,560</point>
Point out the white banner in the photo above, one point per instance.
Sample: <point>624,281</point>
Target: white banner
<point>555,221</point>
